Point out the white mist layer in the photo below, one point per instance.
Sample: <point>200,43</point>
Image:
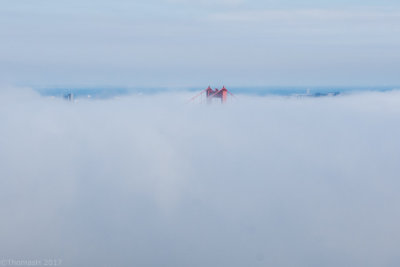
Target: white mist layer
<point>150,181</point>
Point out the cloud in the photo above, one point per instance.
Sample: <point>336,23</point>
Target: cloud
<point>132,43</point>
<point>148,180</point>
<point>207,3</point>
<point>362,15</point>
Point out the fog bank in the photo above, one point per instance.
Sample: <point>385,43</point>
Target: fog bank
<point>152,181</point>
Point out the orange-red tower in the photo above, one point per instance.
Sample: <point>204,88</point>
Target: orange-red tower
<point>211,94</point>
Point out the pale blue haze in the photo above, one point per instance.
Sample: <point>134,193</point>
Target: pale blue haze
<point>180,43</point>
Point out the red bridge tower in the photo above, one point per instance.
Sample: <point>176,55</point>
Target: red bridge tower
<point>210,94</point>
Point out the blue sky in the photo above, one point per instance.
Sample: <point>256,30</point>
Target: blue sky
<point>171,43</point>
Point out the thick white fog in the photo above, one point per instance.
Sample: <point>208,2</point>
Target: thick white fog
<point>152,181</point>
